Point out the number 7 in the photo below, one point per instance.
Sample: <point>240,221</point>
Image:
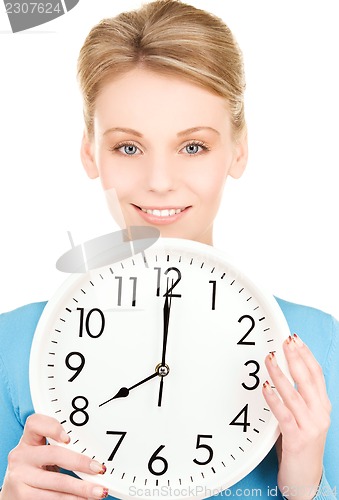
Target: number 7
<point>122,434</point>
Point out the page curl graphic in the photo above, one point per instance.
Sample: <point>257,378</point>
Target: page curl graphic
<point>107,249</point>
<point>23,15</point>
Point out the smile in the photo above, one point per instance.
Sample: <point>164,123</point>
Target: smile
<point>162,215</point>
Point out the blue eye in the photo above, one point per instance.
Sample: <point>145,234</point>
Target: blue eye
<point>129,149</point>
<point>126,149</point>
<point>192,149</point>
<point>195,148</point>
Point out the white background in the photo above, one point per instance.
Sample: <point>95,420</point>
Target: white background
<point>279,220</point>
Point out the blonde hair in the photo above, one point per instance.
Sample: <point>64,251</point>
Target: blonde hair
<point>168,37</point>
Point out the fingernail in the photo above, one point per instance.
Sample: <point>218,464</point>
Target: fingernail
<point>267,387</point>
<point>99,492</point>
<point>297,340</point>
<point>290,343</point>
<point>97,467</point>
<point>64,437</point>
<point>273,359</point>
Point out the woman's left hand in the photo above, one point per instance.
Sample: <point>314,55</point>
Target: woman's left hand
<point>303,413</point>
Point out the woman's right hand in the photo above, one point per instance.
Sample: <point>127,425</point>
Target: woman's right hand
<point>32,471</point>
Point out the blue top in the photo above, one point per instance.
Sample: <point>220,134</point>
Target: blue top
<point>319,331</point>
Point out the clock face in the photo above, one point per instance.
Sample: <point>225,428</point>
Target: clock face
<point>154,365</point>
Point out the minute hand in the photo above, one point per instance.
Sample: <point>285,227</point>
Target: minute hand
<point>166,315</point>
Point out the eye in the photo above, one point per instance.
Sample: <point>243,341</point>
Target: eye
<point>194,148</point>
<point>127,149</point>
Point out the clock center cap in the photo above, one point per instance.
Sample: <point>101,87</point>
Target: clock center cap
<point>162,370</point>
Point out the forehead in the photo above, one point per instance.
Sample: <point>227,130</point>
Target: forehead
<point>143,100</point>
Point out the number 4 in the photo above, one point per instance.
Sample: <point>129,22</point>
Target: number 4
<point>244,423</point>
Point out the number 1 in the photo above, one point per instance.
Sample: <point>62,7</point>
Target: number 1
<point>214,287</point>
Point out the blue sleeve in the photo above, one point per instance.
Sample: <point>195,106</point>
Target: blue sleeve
<point>16,333</point>
<point>10,427</point>
<point>331,373</point>
<point>325,492</point>
<point>320,331</point>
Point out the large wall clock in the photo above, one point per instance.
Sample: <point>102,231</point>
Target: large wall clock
<point>154,365</point>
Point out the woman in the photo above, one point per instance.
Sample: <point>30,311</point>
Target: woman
<point>164,127</point>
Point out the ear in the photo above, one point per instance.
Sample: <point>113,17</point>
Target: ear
<point>87,157</point>
<point>240,156</point>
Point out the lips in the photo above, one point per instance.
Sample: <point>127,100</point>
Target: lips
<point>161,215</point>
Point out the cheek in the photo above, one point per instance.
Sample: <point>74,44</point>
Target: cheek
<point>209,182</point>
<point>114,175</point>
<point>111,180</point>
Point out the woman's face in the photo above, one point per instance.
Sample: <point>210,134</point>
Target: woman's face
<point>166,147</point>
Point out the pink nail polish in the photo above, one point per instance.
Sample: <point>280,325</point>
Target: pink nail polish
<point>267,387</point>
<point>290,343</point>
<point>99,492</point>
<point>273,359</point>
<point>64,437</point>
<point>297,340</point>
<point>97,467</point>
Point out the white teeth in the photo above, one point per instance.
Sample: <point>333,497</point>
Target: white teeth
<point>163,213</point>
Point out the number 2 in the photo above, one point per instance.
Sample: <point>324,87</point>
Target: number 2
<point>242,340</point>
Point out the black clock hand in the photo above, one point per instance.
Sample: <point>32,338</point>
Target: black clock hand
<point>166,315</point>
<point>124,391</point>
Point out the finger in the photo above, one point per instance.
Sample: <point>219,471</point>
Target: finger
<point>290,397</point>
<point>300,372</point>
<point>38,427</point>
<point>286,420</point>
<point>66,459</point>
<point>54,495</point>
<point>62,483</point>
<point>25,491</point>
<point>315,369</point>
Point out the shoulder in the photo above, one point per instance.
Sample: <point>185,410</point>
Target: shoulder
<point>319,330</point>
<point>30,312</point>
<point>17,327</point>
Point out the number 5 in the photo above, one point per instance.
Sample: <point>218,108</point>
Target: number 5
<point>208,448</point>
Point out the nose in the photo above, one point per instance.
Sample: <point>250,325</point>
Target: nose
<point>161,174</point>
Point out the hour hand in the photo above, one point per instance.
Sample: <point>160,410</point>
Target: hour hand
<point>123,392</point>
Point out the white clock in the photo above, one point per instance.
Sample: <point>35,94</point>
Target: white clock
<point>154,366</point>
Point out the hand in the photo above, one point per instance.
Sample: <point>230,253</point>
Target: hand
<point>32,474</point>
<point>303,414</point>
<point>166,315</point>
<point>124,391</point>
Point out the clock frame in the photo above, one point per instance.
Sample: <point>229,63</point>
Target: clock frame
<point>154,366</point>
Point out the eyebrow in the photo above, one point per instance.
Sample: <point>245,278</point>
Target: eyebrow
<point>179,134</point>
<point>197,129</point>
<point>124,130</point>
